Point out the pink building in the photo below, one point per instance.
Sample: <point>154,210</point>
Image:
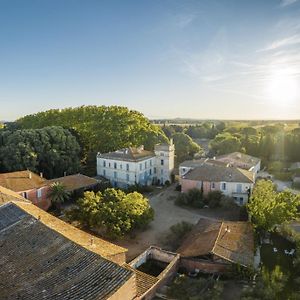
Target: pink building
<point>29,185</point>
<point>231,181</point>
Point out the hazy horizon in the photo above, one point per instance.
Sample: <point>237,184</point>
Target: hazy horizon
<point>229,60</point>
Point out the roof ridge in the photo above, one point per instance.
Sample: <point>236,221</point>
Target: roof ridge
<point>215,243</point>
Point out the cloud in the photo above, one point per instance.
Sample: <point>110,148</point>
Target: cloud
<point>184,20</point>
<point>285,3</point>
<point>285,42</point>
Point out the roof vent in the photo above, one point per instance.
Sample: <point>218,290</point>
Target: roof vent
<point>227,229</point>
<point>30,175</point>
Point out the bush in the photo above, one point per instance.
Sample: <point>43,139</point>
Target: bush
<point>174,237</point>
<point>284,176</point>
<point>139,188</point>
<point>275,166</point>
<point>167,183</point>
<point>228,202</point>
<point>214,199</point>
<point>178,188</point>
<point>193,198</point>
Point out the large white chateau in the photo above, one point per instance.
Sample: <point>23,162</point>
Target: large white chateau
<point>132,165</point>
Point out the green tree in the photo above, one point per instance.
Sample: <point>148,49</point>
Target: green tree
<point>51,150</point>
<point>185,147</point>
<point>114,212</point>
<point>268,208</point>
<point>225,143</point>
<point>58,194</point>
<point>269,287</point>
<point>101,128</point>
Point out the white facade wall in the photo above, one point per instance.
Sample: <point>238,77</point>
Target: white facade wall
<point>124,173</point>
<point>237,190</point>
<point>164,162</point>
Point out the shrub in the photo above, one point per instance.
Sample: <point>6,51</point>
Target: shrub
<point>193,197</point>
<point>175,235</point>
<point>139,188</point>
<point>178,188</point>
<point>214,199</point>
<point>228,202</point>
<point>167,183</point>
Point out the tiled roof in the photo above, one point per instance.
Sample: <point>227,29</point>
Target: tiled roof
<point>92,243</point>
<point>75,182</point>
<point>238,158</point>
<point>218,173</point>
<point>7,195</point>
<point>199,162</point>
<point>21,181</point>
<point>128,154</point>
<point>37,262</point>
<point>144,281</point>
<point>232,241</point>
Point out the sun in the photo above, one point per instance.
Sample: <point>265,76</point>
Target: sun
<point>282,86</point>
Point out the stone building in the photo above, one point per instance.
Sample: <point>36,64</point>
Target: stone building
<point>132,165</point>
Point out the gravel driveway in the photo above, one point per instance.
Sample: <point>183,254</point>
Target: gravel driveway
<point>166,215</point>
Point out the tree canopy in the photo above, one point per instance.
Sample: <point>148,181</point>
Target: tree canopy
<point>114,212</point>
<point>100,128</point>
<point>269,208</point>
<point>185,147</point>
<point>225,143</point>
<point>51,150</point>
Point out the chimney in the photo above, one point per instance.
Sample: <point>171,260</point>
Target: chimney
<point>30,175</point>
<point>65,174</point>
<point>41,175</point>
<point>171,141</point>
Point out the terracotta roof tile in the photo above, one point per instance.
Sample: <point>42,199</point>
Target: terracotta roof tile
<point>38,262</point>
<point>75,182</point>
<point>21,181</point>
<point>92,243</point>
<point>128,154</point>
<point>218,173</point>
<point>232,241</point>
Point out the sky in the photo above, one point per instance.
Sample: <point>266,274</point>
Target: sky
<point>206,59</point>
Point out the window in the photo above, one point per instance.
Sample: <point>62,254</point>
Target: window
<point>162,162</point>
<point>121,167</point>
<point>109,164</point>
<point>115,165</point>
<point>239,188</point>
<point>213,185</point>
<point>39,193</point>
<point>154,170</point>
<point>150,171</point>
<point>141,167</point>
<point>127,167</point>
<point>151,163</point>
<point>161,172</point>
<point>162,154</point>
<point>224,186</point>
<point>104,163</point>
<point>241,200</point>
<point>127,177</point>
<point>145,165</point>
<point>104,173</point>
<point>25,195</point>
<point>115,175</point>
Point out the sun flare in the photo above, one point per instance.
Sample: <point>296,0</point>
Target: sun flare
<point>282,86</point>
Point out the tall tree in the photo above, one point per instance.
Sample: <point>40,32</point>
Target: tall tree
<point>268,208</point>
<point>51,150</point>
